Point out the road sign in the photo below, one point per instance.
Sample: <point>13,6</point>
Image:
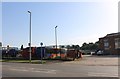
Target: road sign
<point>41,43</point>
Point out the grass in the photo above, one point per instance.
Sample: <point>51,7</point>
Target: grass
<point>25,61</point>
<point>43,62</point>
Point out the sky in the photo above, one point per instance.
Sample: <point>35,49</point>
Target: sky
<point>77,22</point>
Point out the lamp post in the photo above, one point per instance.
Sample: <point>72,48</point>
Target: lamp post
<point>56,38</point>
<point>30,38</point>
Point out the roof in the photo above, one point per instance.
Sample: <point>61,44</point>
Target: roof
<point>110,35</point>
<point>113,34</point>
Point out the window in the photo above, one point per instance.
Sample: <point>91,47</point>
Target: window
<point>106,44</point>
<point>117,43</point>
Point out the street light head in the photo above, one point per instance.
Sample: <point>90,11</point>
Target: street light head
<point>29,12</point>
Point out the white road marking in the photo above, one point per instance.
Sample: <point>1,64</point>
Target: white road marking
<point>34,70</point>
<point>18,70</point>
<point>102,74</point>
<point>52,71</point>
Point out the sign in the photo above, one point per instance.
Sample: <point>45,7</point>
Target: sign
<point>41,43</point>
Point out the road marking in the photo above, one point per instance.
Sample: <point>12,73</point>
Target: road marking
<point>102,74</point>
<point>43,70</point>
<point>18,70</point>
<point>51,72</point>
<point>35,70</point>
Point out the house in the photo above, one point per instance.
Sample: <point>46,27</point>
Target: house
<point>110,43</point>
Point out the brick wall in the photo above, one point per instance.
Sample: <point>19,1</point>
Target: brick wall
<point>111,48</point>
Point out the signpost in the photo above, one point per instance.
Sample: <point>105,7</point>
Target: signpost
<point>29,44</point>
<point>41,51</point>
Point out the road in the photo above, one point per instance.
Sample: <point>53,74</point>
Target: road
<point>78,68</point>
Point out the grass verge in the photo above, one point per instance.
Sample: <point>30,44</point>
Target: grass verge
<point>25,61</point>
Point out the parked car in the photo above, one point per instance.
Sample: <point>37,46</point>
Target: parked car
<point>100,52</point>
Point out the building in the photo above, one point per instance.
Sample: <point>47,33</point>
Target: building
<point>110,44</point>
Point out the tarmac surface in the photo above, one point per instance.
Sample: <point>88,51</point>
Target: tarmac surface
<point>98,61</point>
<point>88,66</point>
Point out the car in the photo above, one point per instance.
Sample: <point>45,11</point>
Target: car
<point>100,52</point>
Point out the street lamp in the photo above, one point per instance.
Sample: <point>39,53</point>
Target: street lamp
<point>30,37</point>
<point>56,38</point>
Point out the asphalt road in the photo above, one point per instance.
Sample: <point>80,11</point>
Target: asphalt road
<point>78,68</point>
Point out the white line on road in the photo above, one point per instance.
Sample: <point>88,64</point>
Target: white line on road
<point>102,74</point>
<point>35,70</point>
<point>19,70</point>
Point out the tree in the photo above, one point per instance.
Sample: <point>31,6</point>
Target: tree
<point>73,46</point>
<point>62,46</point>
<point>68,46</point>
<point>85,46</point>
<point>89,46</point>
<point>77,47</point>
